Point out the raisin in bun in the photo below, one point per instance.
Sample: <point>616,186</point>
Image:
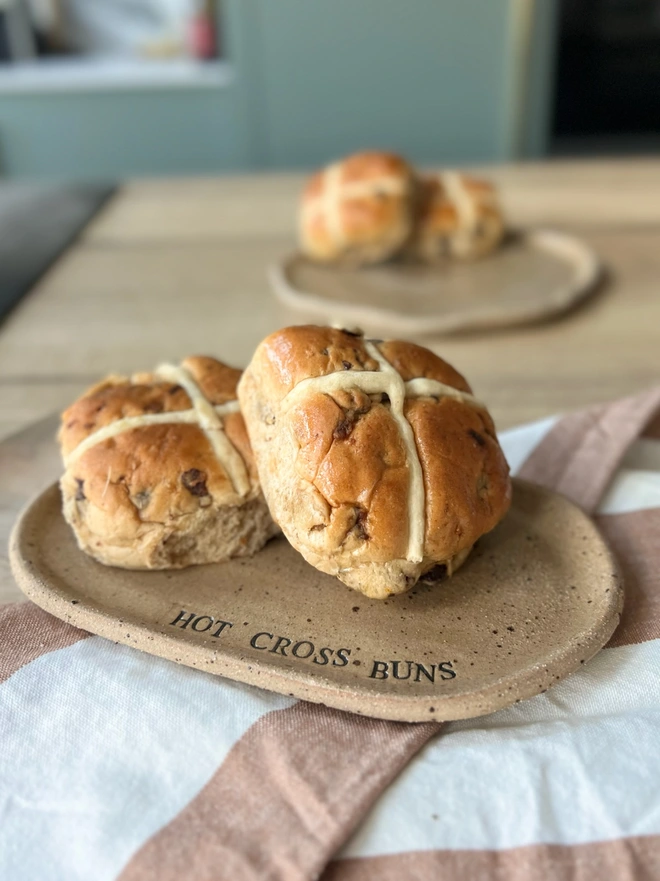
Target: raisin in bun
<point>357,211</point>
<point>375,458</point>
<point>159,472</point>
<point>456,216</point>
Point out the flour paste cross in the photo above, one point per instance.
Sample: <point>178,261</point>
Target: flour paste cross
<point>387,380</point>
<point>206,416</point>
<point>458,195</point>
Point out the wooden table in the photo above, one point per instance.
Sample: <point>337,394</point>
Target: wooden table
<point>178,266</point>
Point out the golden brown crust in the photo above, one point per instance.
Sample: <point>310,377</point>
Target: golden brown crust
<point>412,361</point>
<point>217,381</point>
<point>237,433</point>
<point>465,475</point>
<point>154,473</point>
<point>334,464</point>
<point>295,353</point>
<point>116,399</point>
<point>138,498</point>
<point>443,229</point>
<point>358,210</point>
<point>351,452</point>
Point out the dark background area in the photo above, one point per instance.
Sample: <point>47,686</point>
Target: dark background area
<point>607,93</point>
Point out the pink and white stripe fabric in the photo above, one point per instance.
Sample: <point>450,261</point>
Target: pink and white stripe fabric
<point>118,765</point>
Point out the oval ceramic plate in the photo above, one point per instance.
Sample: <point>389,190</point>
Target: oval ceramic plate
<point>534,276</point>
<point>537,598</point>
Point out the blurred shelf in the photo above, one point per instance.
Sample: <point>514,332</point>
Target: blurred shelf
<point>90,74</point>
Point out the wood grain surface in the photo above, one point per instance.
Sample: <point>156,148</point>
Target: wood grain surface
<point>175,267</point>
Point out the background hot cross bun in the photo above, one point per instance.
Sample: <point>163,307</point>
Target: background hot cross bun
<point>357,211</point>
<point>456,216</point>
<point>372,206</point>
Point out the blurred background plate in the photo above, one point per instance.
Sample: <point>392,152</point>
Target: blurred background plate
<point>535,276</point>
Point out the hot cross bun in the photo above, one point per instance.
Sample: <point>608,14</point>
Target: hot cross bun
<point>159,472</point>
<point>357,211</point>
<point>456,216</point>
<point>375,458</point>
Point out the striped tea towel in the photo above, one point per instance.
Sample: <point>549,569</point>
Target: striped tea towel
<point>118,765</point>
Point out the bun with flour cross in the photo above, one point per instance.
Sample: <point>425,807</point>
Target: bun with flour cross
<point>159,472</point>
<point>375,458</point>
<point>456,216</point>
<point>357,211</point>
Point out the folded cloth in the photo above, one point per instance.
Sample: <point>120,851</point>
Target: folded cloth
<point>116,764</point>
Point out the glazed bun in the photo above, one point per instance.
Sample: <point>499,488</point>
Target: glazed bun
<point>456,216</point>
<point>159,472</point>
<point>375,458</point>
<point>357,211</point>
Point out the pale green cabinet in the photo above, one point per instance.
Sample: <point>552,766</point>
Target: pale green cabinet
<point>303,82</point>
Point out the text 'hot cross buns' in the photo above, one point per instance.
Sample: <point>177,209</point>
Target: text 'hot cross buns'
<point>357,211</point>
<point>456,216</point>
<point>159,472</point>
<point>376,460</point>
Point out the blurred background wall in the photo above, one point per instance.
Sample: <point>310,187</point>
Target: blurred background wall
<point>113,88</point>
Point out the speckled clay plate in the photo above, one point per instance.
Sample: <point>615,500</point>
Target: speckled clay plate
<point>534,276</point>
<point>538,597</point>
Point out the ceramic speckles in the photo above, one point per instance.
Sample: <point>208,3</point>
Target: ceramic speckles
<point>536,599</point>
